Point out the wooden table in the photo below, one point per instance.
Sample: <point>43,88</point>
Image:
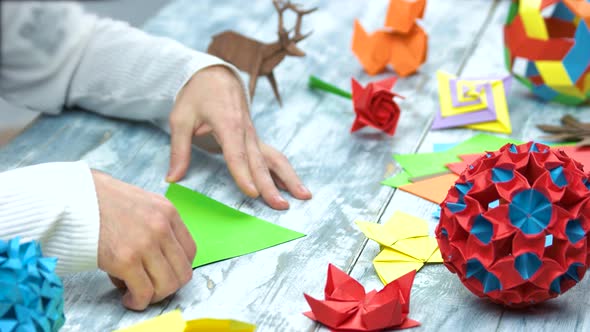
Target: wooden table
<point>341,169</point>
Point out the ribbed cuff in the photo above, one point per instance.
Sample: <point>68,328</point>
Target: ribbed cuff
<point>56,204</point>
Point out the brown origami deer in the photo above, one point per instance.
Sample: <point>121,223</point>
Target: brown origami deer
<point>258,58</point>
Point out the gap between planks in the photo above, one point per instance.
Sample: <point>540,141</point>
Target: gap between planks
<point>426,130</point>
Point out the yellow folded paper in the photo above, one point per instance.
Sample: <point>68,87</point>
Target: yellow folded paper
<point>405,245</point>
<point>173,322</point>
<point>532,19</point>
<point>473,103</point>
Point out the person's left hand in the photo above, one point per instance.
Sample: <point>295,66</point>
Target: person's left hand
<point>213,102</point>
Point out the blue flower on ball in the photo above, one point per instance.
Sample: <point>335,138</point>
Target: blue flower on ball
<point>31,294</point>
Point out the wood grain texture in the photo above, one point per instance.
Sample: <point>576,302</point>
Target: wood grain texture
<point>342,170</point>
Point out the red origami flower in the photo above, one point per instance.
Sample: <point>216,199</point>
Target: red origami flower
<point>348,308</point>
<point>516,226</point>
<point>374,105</point>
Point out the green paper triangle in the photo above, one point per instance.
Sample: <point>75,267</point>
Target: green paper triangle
<point>222,232</point>
<point>397,180</point>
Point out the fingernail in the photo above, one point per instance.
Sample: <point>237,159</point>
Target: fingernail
<point>304,190</point>
<point>252,189</point>
<point>280,199</point>
<point>169,176</point>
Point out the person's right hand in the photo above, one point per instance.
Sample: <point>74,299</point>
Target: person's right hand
<point>143,244</point>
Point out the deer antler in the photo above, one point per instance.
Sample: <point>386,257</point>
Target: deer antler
<point>300,13</point>
<point>280,6</point>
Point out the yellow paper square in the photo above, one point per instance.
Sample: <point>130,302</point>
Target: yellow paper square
<point>172,322</point>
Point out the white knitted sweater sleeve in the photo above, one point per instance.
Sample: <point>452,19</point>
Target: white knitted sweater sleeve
<point>54,55</point>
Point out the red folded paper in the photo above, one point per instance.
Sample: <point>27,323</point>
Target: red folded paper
<point>348,308</point>
<point>515,227</point>
<point>374,105</point>
<point>580,154</point>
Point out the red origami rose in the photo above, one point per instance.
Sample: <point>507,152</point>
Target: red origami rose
<point>374,105</point>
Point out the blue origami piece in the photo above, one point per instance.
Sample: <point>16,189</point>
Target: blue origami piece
<point>31,294</point>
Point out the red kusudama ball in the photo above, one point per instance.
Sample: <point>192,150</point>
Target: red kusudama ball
<point>514,227</point>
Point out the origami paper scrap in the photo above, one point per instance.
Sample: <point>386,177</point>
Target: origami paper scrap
<point>458,167</point>
<point>404,47</point>
<point>405,243</point>
<point>31,294</point>
<point>257,58</point>
<point>402,14</point>
<point>397,180</point>
<point>420,164</point>
<point>434,189</point>
<point>173,322</point>
<point>222,232</point>
<point>579,154</point>
<point>441,147</point>
<point>348,308</point>
<point>474,103</point>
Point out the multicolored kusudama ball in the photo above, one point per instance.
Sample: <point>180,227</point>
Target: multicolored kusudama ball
<point>514,227</point>
<point>548,48</point>
<point>31,294</point>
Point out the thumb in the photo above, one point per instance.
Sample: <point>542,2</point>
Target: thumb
<point>180,149</point>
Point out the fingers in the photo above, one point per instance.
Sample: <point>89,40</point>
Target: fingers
<point>235,153</point>
<point>181,265</point>
<point>181,128</point>
<point>261,175</point>
<point>284,173</point>
<point>140,289</point>
<point>185,239</point>
<point>166,260</point>
<point>120,284</point>
<point>161,274</point>
<point>278,181</point>
<point>179,229</point>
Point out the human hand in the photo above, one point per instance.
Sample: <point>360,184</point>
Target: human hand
<point>143,244</point>
<point>213,102</point>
